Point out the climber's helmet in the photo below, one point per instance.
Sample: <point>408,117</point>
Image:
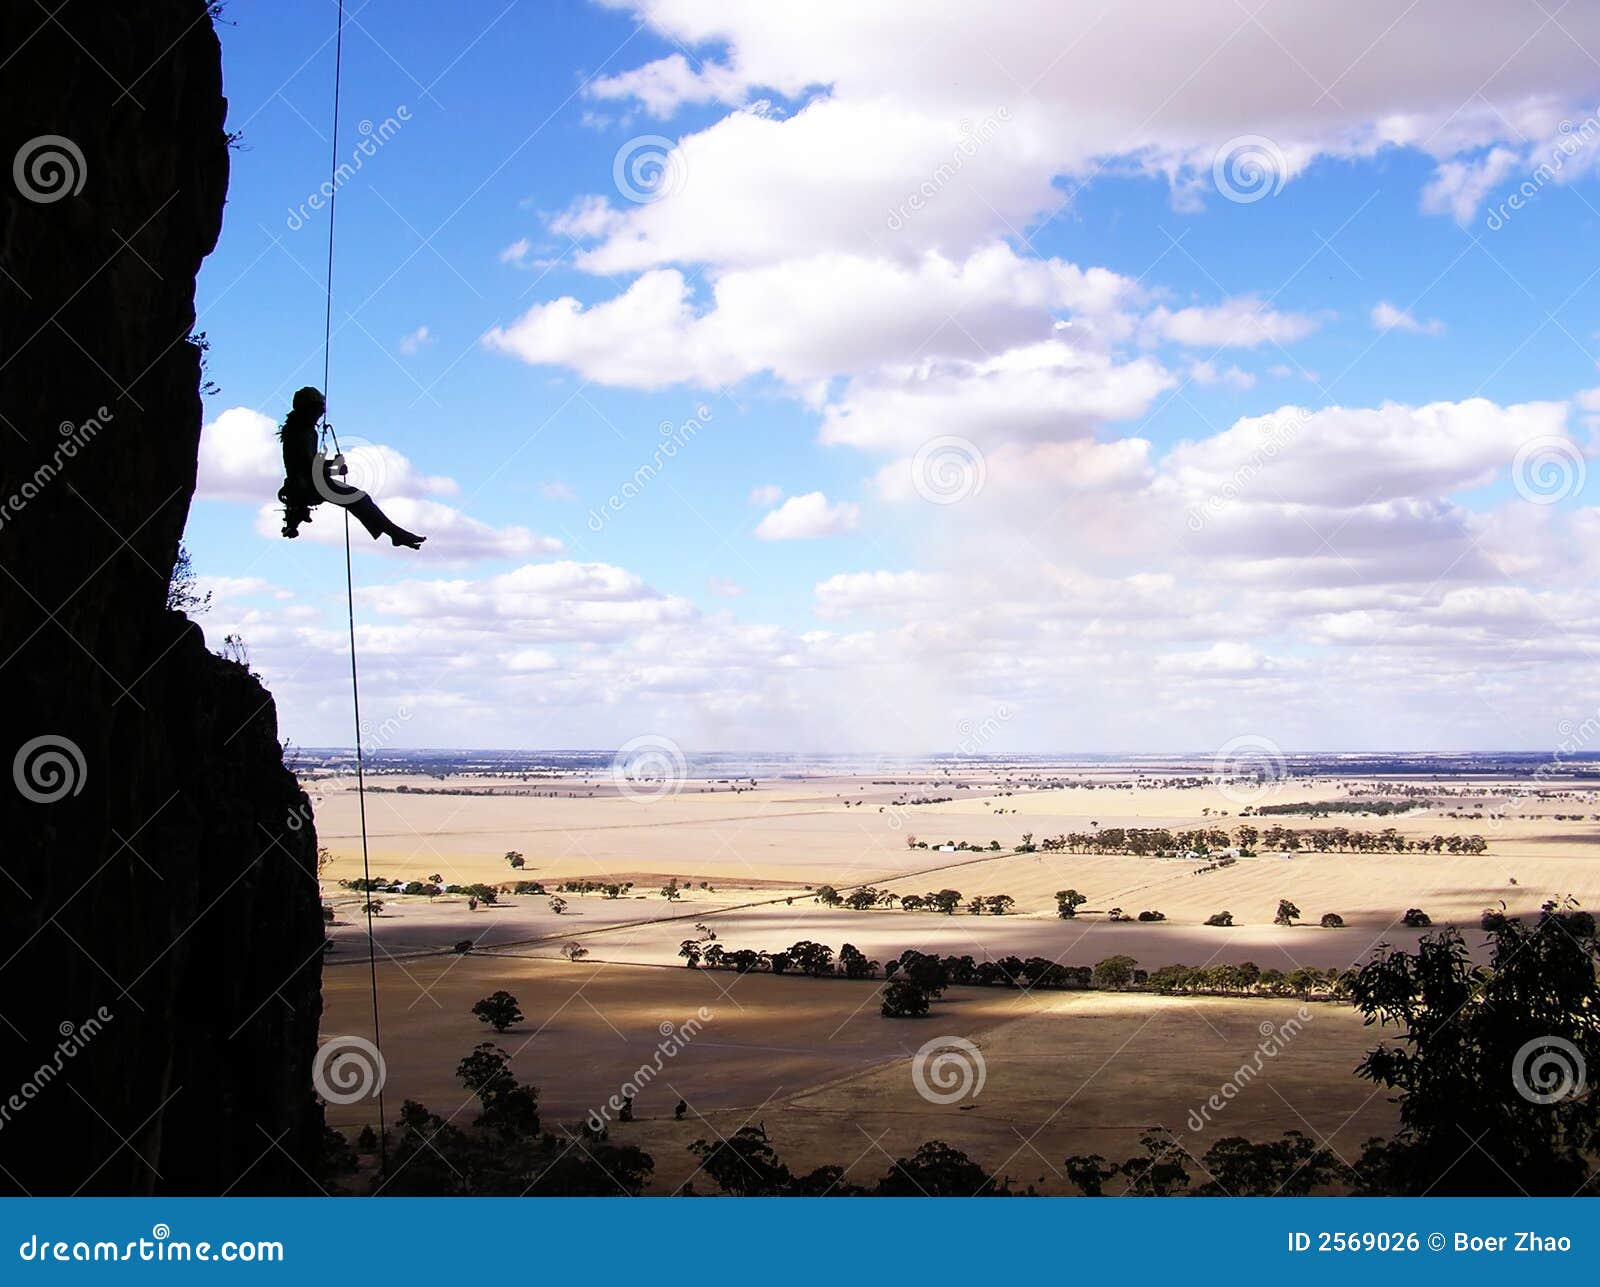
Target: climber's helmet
<point>309,402</point>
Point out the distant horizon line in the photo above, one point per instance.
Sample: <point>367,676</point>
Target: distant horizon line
<point>939,754</point>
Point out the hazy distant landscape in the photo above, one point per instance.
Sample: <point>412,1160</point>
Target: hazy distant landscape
<point>616,906</point>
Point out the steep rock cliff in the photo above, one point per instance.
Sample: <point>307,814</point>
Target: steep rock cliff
<point>160,936</point>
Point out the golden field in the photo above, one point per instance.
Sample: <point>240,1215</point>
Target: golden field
<point>813,1060</point>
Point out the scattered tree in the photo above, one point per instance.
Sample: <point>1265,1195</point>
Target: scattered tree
<point>903,1000</point>
<point>1115,971</point>
<point>1067,903</point>
<point>745,1165</point>
<point>499,1010</point>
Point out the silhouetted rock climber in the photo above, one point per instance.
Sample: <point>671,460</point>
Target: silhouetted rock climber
<point>309,478</point>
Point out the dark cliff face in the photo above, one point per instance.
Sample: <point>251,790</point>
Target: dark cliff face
<point>160,934</point>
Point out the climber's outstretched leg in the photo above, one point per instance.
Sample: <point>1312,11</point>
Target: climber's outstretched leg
<point>378,523</point>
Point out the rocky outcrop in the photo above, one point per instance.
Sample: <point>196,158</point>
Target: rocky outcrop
<point>160,934</point>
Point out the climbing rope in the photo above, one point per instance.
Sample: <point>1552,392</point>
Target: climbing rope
<point>350,596</point>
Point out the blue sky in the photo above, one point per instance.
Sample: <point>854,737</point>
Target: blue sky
<point>1080,307</point>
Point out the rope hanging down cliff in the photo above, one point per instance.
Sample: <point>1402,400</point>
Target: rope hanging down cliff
<point>350,600</point>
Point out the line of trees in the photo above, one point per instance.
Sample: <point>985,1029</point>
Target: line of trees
<point>1162,842</point>
<point>930,974</point>
<point>945,901</point>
